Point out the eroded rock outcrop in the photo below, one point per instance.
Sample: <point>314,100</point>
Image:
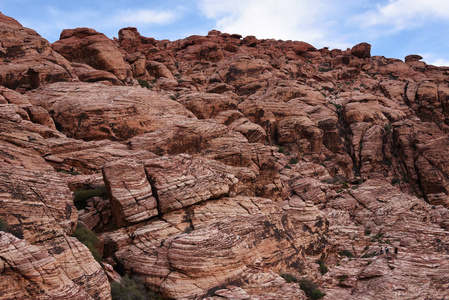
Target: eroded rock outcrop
<point>27,60</point>
<point>85,45</point>
<point>93,112</point>
<point>221,241</point>
<point>230,161</point>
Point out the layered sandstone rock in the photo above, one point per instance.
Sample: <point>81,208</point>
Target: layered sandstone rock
<point>130,193</point>
<point>94,112</point>
<point>41,202</point>
<point>370,217</point>
<point>27,60</point>
<point>242,159</point>
<point>222,240</point>
<point>85,45</point>
<point>29,271</point>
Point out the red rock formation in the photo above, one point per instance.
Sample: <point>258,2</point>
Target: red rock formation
<point>85,45</point>
<point>27,60</point>
<point>118,113</point>
<point>235,161</point>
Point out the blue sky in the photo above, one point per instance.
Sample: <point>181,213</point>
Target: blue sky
<point>395,28</point>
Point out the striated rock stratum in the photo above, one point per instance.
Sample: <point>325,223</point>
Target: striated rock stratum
<point>219,167</point>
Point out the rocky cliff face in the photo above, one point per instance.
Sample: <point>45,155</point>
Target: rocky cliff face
<point>217,167</point>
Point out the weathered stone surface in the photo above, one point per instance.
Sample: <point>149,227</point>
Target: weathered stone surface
<point>97,215</point>
<point>85,45</point>
<point>423,147</point>
<point>200,180</point>
<point>89,74</point>
<point>226,242</point>
<point>80,266</point>
<point>88,157</point>
<point>243,71</point>
<point>39,199</point>
<point>27,59</point>
<point>227,172</point>
<point>130,193</point>
<point>62,268</point>
<point>29,271</point>
<point>362,50</point>
<point>96,111</point>
<point>207,106</point>
<point>158,70</point>
<point>393,219</point>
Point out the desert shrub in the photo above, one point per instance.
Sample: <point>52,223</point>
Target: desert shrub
<point>395,180</point>
<point>144,83</point>
<point>324,69</point>
<point>289,277</point>
<point>367,232</point>
<point>293,160</point>
<point>329,180</point>
<point>88,238</point>
<point>3,225</point>
<point>131,289</point>
<point>377,236</point>
<point>281,149</point>
<point>346,253</point>
<point>82,195</point>
<point>323,268</point>
<point>368,255</point>
<point>69,172</point>
<point>311,289</point>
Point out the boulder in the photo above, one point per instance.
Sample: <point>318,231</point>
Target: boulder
<point>87,46</point>
<point>362,50</point>
<point>27,60</point>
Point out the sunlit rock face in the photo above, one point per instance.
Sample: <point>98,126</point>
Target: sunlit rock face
<point>219,167</point>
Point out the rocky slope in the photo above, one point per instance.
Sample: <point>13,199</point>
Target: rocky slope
<point>229,167</point>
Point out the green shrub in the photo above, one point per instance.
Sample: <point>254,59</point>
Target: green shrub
<point>367,232</point>
<point>289,277</point>
<point>281,149</point>
<point>82,195</point>
<point>311,289</point>
<point>395,180</point>
<point>144,83</point>
<point>132,289</point>
<point>368,255</point>
<point>325,69</point>
<point>69,172</point>
<point>323,268</point>
<point>293,160</point>
<point>346,253</point>
<point>88,238</point>
<point>3,225</point>
<point>377,236</point>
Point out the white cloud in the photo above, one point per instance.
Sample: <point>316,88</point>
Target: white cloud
<point>145,16</point>
<point>440,62</point>
<point>109,23</point>
<point>435,59</point>
<point>286,19</point>
<point>404,14</point>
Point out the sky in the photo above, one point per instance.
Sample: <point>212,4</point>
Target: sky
<point>394,28</point>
